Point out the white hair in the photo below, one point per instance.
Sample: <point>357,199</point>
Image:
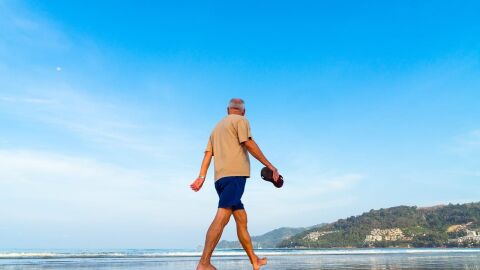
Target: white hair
<point>236,103</point>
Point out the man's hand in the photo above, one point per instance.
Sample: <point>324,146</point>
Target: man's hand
<point>276,175</point>
<point>197,184</point>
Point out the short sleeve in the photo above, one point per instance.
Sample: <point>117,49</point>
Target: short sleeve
<point>243,131</point>
<point>209,145</point>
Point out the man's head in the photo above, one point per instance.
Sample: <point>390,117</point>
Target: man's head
<point>236,106</point>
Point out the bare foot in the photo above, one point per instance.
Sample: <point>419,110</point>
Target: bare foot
<point>259,263</point>
<point>202,266</point>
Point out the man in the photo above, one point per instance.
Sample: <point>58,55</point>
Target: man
<point>230,143</point>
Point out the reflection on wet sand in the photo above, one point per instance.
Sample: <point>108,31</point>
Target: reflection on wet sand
<point>417,261</point>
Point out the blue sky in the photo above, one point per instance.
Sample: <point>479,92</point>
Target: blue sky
<point>105,109</point>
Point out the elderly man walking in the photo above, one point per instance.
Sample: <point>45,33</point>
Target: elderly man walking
<point>230,143</point>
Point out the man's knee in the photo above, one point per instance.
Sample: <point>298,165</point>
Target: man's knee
<point>241,224</point>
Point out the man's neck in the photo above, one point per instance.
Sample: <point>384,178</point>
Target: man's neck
<point>236,113</point>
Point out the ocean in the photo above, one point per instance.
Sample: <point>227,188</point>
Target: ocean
<point>234,259</point>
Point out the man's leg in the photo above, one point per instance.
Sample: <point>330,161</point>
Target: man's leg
<point>213,236</point>
<point>244,237</point>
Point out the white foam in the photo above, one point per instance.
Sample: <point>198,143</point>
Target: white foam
<point>221,253</point>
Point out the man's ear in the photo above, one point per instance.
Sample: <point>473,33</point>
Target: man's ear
<point>244,111</point>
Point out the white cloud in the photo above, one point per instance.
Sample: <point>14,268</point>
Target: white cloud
<point>52,192</point>
<point>43,186</point>
<point>47,189</point>
<point>104,123</point>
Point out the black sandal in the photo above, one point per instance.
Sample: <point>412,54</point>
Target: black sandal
<point>267,175</point>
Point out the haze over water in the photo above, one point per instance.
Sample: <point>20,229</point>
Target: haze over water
<point>417,259</point>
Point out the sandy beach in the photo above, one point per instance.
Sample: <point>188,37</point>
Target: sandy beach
<point>235,259</point>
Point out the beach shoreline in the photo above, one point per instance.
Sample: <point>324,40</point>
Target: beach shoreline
<point>279,259</point>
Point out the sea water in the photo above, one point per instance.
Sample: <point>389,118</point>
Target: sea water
<point>234,259</point>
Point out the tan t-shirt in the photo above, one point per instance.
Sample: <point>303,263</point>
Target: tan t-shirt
<point>225,142</point>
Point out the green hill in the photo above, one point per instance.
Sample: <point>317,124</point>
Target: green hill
<point>268,240</point>
<point>402,226</point>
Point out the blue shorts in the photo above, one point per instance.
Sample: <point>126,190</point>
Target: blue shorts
<point>230,190</point>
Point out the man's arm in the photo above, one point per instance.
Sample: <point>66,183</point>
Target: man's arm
<point>255,151</point>
<point>198,183</point>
